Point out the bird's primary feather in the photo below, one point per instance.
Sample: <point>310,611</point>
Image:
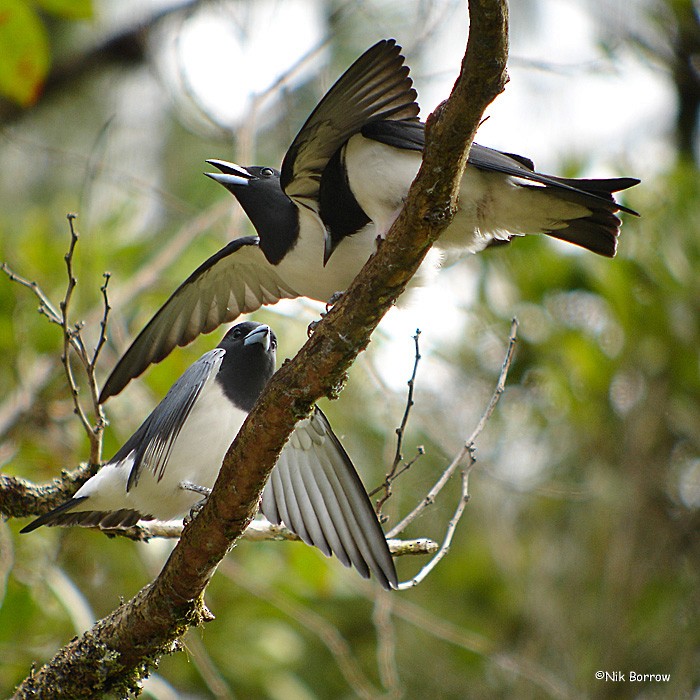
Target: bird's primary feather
<point>327,506</point>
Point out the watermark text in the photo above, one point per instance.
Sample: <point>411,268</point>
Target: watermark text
<point>632,677</point>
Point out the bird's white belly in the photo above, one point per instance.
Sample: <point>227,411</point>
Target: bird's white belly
<point>490,205</point>
<point>196,457</point>
<point>494,206</point>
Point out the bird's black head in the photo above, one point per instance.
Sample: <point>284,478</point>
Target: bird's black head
<point>258,190</point>
<point>248,364</point>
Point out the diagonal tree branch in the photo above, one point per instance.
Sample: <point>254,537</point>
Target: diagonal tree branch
<point>119,649</point>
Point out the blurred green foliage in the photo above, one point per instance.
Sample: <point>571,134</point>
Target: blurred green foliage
<point>25,44</point>
<point>578,551</point>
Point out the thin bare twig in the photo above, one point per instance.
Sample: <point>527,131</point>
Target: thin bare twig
<point>72,337</point>
<point>467,452</point>
<point>400,431</point>
<point>500,385</point>
<point>73,340</point>
<point>90,371</point>
<point>258,531</point>
<point>402,548</point>
<point>103,323</point>
<point>398,466</point>
<point>46,308</point>
<point>449,533</point>
<point>469,444</point>
<point>95,434</point>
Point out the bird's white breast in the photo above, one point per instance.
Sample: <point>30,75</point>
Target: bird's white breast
<point>196,457</point>
<point>379,177</point>
<point>304,268</point>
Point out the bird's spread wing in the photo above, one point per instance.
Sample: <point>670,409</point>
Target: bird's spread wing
<point>152,443</point>
<point>376,86</point>
<point>237,280</point>
<point>316,492</point>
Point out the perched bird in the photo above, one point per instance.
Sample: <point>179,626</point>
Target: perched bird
<point>162,470</point>
<point>342,183</point>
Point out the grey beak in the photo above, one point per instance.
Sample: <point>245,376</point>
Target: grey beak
<point>261,335</point>
<point>230,175</point>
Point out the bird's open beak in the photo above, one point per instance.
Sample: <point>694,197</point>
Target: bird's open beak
<point>230,175</point>
<point>261,335</point>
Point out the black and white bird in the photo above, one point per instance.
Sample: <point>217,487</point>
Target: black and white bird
<point>161,471</point>
<point>342,183</point>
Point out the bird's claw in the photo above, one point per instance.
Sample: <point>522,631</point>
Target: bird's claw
<point>335,298</point>
<point>312,327</point>
<point>205,491</point>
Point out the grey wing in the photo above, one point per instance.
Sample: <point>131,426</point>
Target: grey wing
<point>152,443</point>
<point>236,280</point>
<point>316,492</point>
<point>376,86</point>
<point>150,446</point>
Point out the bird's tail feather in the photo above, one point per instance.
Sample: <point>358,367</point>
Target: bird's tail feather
<point>599,230</point>
<point>65,515</point>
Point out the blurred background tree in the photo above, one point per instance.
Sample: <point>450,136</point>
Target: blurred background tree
<point>579,549</point>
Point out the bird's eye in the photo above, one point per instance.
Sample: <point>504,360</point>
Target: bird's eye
<point>267,172</point>
<point>236,332</point>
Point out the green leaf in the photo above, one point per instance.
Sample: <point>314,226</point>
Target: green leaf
<point>24,52</point>
<point>68,9</point>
